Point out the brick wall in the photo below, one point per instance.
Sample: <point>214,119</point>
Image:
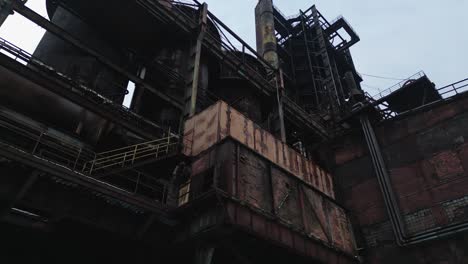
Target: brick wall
<point>427,157</point>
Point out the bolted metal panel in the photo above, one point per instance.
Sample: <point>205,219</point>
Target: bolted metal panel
<point>220,121</point>
<point>266,191</point>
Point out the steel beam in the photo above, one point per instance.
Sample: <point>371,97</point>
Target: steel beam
<point>193,80</point>
<point>67,91</point>
<point>160,211</point>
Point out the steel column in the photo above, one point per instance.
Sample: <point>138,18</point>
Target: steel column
<point>194,75</point>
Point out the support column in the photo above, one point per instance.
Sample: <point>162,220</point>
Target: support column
<point>138,93</point>
<point>380,167</point>
<point>194,68</point>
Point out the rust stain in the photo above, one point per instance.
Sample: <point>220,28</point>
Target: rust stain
<point>209,127</point>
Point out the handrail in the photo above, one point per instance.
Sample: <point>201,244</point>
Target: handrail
<point>135,152</point>
<point>398,86</point>
<point>41,142</point>
<point>129,155</point>
<point>454,88</point>
<point>140,144</point>
<point>127,158</point>
<point>446,93</point>
<point>17,53</point>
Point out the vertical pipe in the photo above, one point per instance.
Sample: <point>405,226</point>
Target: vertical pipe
<point>265,26</point>
<point>383,178</point>
<point>279,98</point>
<point>267,47</point>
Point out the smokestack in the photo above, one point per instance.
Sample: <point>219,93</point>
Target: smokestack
<point>265,27</point>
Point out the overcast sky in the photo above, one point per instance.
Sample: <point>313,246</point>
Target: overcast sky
<point>398,37</point>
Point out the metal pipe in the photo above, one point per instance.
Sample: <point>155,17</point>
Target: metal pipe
<point>265,26</point>
<point>267,47</point>
<point>393,210</point>
<point>383,179</point>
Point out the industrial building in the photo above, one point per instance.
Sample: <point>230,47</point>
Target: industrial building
<point>227,153</point>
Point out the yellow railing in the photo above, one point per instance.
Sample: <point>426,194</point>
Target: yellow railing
<point>129,156</point>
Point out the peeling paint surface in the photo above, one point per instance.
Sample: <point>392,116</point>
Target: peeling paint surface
<point>220,121</point>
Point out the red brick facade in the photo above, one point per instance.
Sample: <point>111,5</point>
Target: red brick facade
<point>426,154</point>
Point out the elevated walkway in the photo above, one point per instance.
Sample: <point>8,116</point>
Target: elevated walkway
<point>130,157</point>
<point>123,167</point>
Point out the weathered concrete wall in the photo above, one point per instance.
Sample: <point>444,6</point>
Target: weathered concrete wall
<point>427,157</point>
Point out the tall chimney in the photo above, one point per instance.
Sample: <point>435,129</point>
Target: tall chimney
<point>265,27</point>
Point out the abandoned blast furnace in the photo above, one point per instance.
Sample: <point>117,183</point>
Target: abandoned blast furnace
<point>227,154</point>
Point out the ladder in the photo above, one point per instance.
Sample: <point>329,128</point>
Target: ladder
<point>329,83</point>
<point>132,156</point>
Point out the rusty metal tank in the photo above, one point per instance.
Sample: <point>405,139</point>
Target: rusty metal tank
<point>83,70</point>
<point>78,65</point>
<point>238,91</point>
<point>129,36</point>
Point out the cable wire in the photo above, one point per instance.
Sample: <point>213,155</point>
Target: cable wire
<point>371,87</point>
<point>382,77</point>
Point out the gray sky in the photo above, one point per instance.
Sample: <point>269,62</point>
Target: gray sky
<point>398,37</point>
